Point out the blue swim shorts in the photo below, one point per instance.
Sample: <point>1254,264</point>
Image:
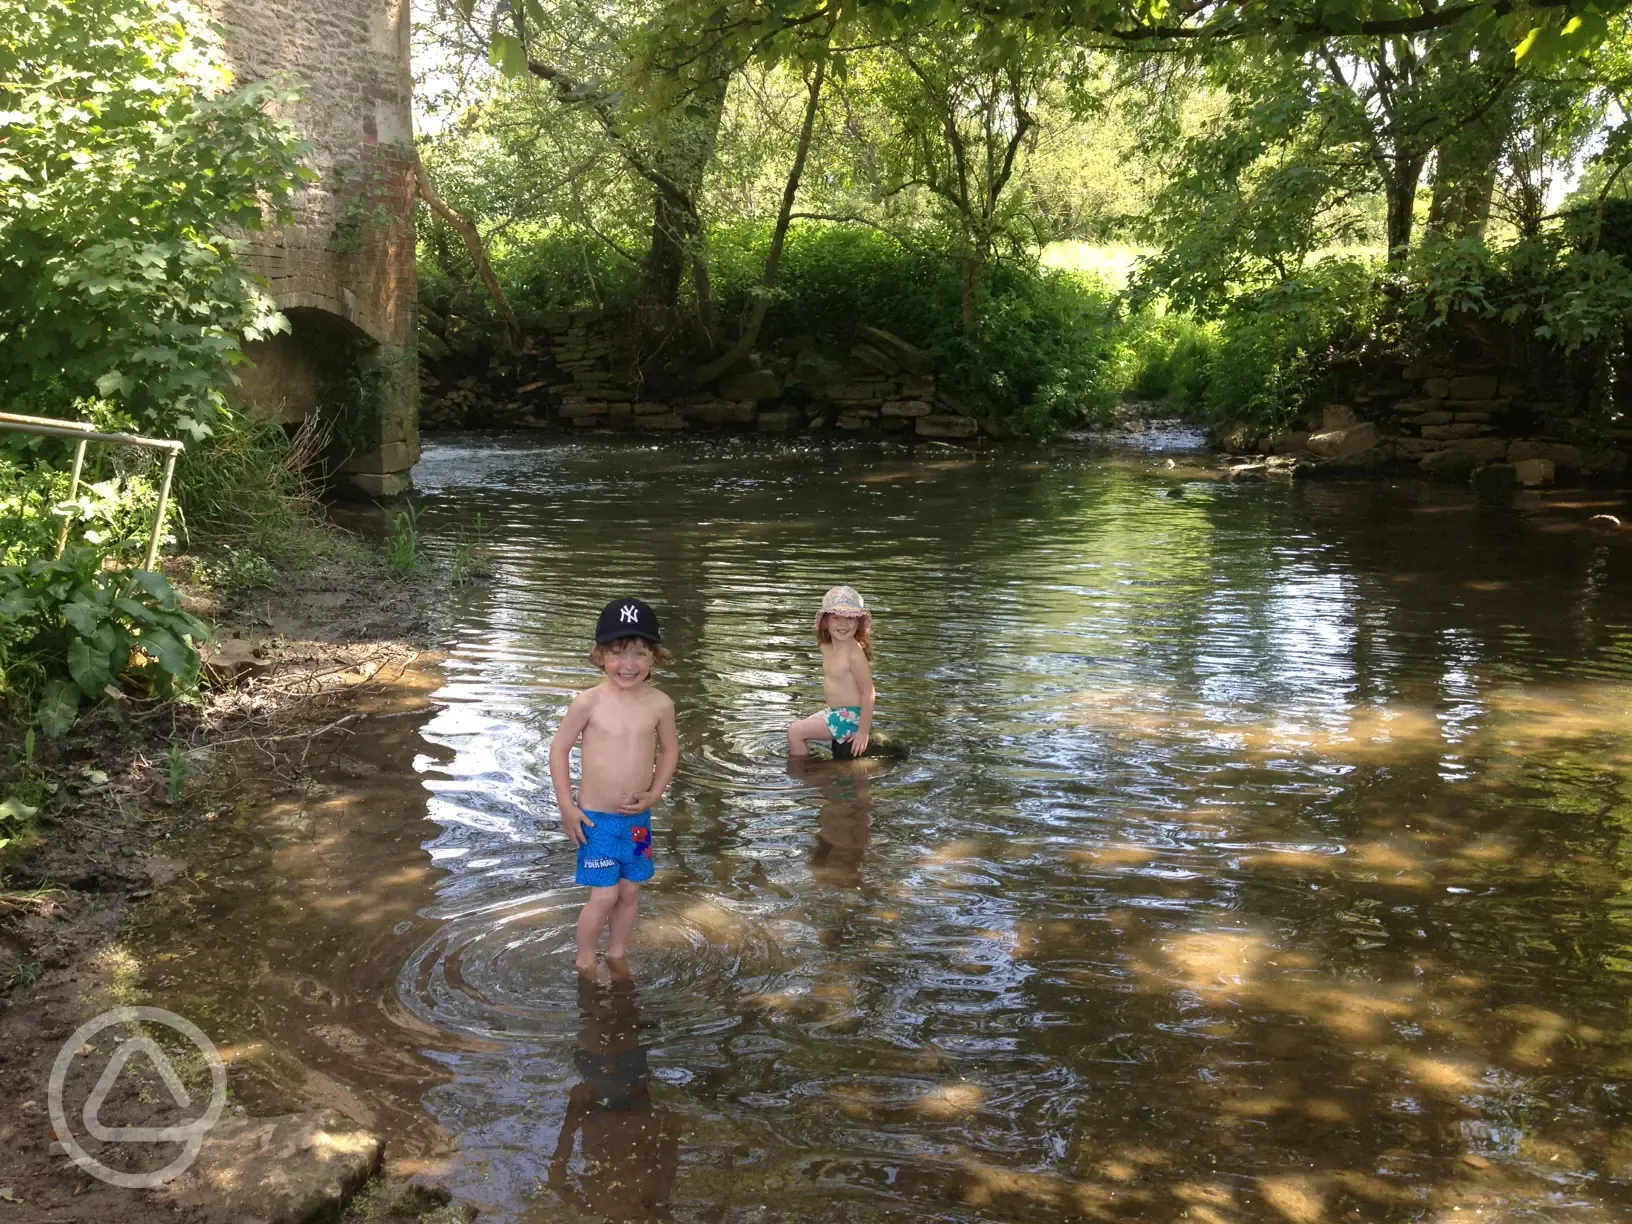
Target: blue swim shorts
<point>843,720</point>
<point>619,848</point>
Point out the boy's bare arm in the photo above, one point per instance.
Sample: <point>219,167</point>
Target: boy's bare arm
<point>863,672</point>
<point>668,760</point>
<point>572,726</point>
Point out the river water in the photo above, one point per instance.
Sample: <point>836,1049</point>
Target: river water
<point>1262,853</point>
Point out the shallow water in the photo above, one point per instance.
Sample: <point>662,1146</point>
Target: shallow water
<point>1262,854</point>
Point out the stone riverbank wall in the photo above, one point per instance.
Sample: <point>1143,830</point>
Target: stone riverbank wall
<point>1442,419</point>
<point>343,271</point>
<point>569,377</point>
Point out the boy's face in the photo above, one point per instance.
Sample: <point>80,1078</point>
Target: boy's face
<point>842,628</point>
<point>627,664</point>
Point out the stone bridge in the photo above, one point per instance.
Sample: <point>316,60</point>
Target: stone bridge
<point>343,272</point>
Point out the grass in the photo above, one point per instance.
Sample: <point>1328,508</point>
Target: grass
<point>472,555</point>
<point>404,551</point>
<point>1111,262</point>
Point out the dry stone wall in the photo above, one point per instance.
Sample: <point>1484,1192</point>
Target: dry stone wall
<point>1443,419</point>
<point>574,376</point>
<point>344,270</point>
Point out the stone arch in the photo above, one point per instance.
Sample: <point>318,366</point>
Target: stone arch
<point>286,373</point>
<point>347,259</point>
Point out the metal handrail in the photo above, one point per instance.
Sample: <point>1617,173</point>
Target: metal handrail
<point>83,432</point>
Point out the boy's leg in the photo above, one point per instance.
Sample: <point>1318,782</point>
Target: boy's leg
<point>597,910</point>
<point>623,919</point>
<point>806,729</point>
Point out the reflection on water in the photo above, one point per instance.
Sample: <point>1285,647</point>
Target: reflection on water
<point>630,1150</point>
<point>1261,855</point>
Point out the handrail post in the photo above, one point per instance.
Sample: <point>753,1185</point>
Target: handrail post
<point>158,515</point>
<point>73,492</point>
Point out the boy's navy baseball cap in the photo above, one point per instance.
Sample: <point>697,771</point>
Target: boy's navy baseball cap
<point>626,618</point>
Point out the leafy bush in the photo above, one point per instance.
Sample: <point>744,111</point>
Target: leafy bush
<point>1275,344</point>
<point>1166,357</point>
<point>1044,342</point>
<point>1555,287</point>
<point>113,509</point>
<point>71,631</point>
<point>124,168</point>
<point>1262,359</point>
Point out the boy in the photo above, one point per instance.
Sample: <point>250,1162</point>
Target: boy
<point>624,723</point>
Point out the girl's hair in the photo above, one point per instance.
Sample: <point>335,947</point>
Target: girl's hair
<point>864,634</point>
<point>598,655</point>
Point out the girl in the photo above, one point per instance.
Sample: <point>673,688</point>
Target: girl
<point>844,629</point>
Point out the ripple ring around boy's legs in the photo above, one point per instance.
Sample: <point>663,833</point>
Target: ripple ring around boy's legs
<point>506,972</point>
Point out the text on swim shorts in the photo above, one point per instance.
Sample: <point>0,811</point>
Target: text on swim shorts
<point>591,864</point>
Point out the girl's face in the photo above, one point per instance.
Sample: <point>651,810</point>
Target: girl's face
<point>842,628</point>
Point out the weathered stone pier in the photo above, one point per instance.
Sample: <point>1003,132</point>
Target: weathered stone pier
<point>343,271</point>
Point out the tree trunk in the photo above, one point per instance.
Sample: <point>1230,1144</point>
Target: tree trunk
<point>1402,205</point>
<point>478,252</point>
<point>1465,175</point>
<point>974,267</point>
<point>773,258</point>
<point>687,154</point>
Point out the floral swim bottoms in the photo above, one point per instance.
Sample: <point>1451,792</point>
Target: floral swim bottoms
<point>843,721</point>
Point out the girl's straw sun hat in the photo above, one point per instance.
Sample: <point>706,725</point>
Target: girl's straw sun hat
<point>844,601</point>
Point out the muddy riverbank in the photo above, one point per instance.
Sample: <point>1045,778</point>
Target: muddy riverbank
<point>295,666</point>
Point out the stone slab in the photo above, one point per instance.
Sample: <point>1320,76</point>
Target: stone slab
<point>942,425</point>
<point>906,408</point>
<point>1463,429</point>
<point>1562,454</point>
<point>1482,450</point>
<point>908,356</point>
<point>292,1169</point>
<point>383,485</point>
<point>1474,386</point>
<point>782,421</point>
<point>1337,416</point>
<point>1343,443</point>
<point>1416,448</point>
<point>750,385</point>
<point>661,421</point>
<point>1289,442</point>
<point>1534,473</point>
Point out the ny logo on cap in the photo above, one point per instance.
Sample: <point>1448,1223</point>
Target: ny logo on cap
<point>629,614</point>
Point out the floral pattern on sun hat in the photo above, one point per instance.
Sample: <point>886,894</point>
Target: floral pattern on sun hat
<point>844,601</point>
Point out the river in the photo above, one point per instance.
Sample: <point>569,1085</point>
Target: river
<point>1262,853</point>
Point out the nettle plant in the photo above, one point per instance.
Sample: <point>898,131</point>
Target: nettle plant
<point>72,632</point>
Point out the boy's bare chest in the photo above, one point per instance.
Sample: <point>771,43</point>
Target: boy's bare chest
<point>628,722</point>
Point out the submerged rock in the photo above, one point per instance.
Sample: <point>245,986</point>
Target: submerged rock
<point>292,1169</point>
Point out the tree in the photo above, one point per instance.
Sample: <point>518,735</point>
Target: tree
<point>126,168</point>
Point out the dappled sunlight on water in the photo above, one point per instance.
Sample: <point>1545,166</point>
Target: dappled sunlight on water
<point>1262,855</point>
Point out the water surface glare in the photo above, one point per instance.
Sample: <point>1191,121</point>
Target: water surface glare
<point>1262,854</point>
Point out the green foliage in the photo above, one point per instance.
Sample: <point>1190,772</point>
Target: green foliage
<point>1274,344</point>
<point>404,551</point>
<point>472,554</point>
<point>180,771</point>
<point>1166,357</point>
<point>1044,342</point>
<point>71,631</point>
<point>250,487</point>
<point>1566,299</point>
<point>123,167</point>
